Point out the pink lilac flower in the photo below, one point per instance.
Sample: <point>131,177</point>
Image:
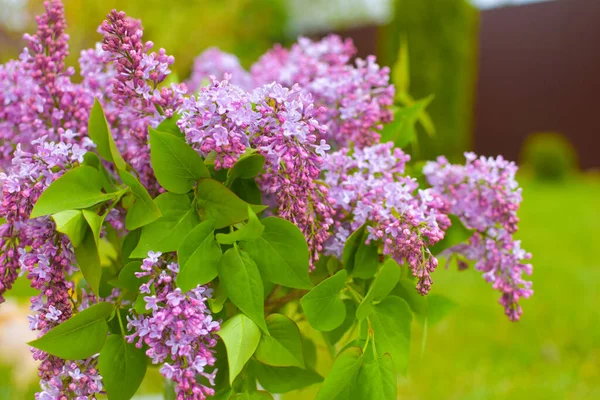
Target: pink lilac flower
<point>356,98</point>
<point>179,330</point>
<point>35,247</point>
<point>37,96</point>
<point>369,187</point>
<point>214,62</point>
<point>484,194</point>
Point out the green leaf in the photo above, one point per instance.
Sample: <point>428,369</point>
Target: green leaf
<point>323,306</point>
<point>284,379</point>
<point>128,280</point>
<point>248,166</point>
<point>168,232</point>
<point>176,164</point>
<point>241,279</point>
<point>241,337</point>
<point>78,188</point>
<point>249,231</point>
<point>92,160</point>
<point>402,129</point>
<point>130,242</point>
<point>281,254</point>
<point>122,366</point>
<point>95,222</point>
<point>401,70</point>
<point>169,125</point>
<point>72,224</point>
<point>144,210</point>
<point>361,260</point>
<point>247,190</point>
<point>376,380</point>
<point>198,256</point>
<point>341,379</point>
<point>283,346</point>
<point>218,299</point>
<point>382,285</point>
<point>217,203</point>
<point>99,132</point>
<point>79,337</point>
<point>335,335</point>
<point>456,234</point>
<point>88,260</point>
<point>390,321</point>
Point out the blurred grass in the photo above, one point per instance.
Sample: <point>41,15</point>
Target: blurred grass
<point>554,351</point>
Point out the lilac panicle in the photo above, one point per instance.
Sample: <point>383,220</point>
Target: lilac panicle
<point>369,187</point>
<point>37,97</point>
<point>484,194</point>
<point>214,62</point>
<point>179,330</point>
<point>356,99</point>
<point>46,257</point>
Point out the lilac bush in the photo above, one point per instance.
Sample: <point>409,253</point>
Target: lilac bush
<point>215,229</point>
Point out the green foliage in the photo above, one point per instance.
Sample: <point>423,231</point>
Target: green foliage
<point>241,337</point>
<point>282,347</point>
<point>221,205</point>
<point>390,321</point>
<point>281,253</point>
<point>360,259</point>
<point>176,164</point>
<point>323,305</point>
<point>78,188</point>
<point>248,166</point>
<point>551,156</point>
<point>144,210</point>
<point>79,337</point>
<point>88,260</point>
<point>72,224</point>
<point>99,132</point>
<point>122,366</point>
<point>376,380</point>
<point>284,379</point>
<point>240,278</point>
<point>198,257</point>
<point>249,231</point>
<point>341,379</point>
<point>457,233</point>
<point>166,234</point>
<point>382,285</point>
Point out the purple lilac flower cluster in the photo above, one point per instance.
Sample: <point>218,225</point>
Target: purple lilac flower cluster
<point>282,125</point>
<point>484,194</point>
<point>34,246</point>
<point>356,98</point>
<point>37,97</point>
<point>178,330</point>
<point>214,62</point>
<point>369,187</point>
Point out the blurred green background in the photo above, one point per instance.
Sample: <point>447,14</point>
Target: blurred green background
<point>474,352</point>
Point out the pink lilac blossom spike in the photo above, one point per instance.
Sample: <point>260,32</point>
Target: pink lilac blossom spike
<point>37,97</point>
<point>47,258</point>
<point>357,98</point>
<point>179,329</point>
<point>484,194</point>
<point>369,187</point>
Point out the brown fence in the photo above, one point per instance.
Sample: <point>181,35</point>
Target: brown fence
<point>539,70</point>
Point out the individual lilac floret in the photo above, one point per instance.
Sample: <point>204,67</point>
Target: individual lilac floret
<point>178,329</point>
<point>214,62</point>
<point>484,194</point>
<point>369,187</point>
